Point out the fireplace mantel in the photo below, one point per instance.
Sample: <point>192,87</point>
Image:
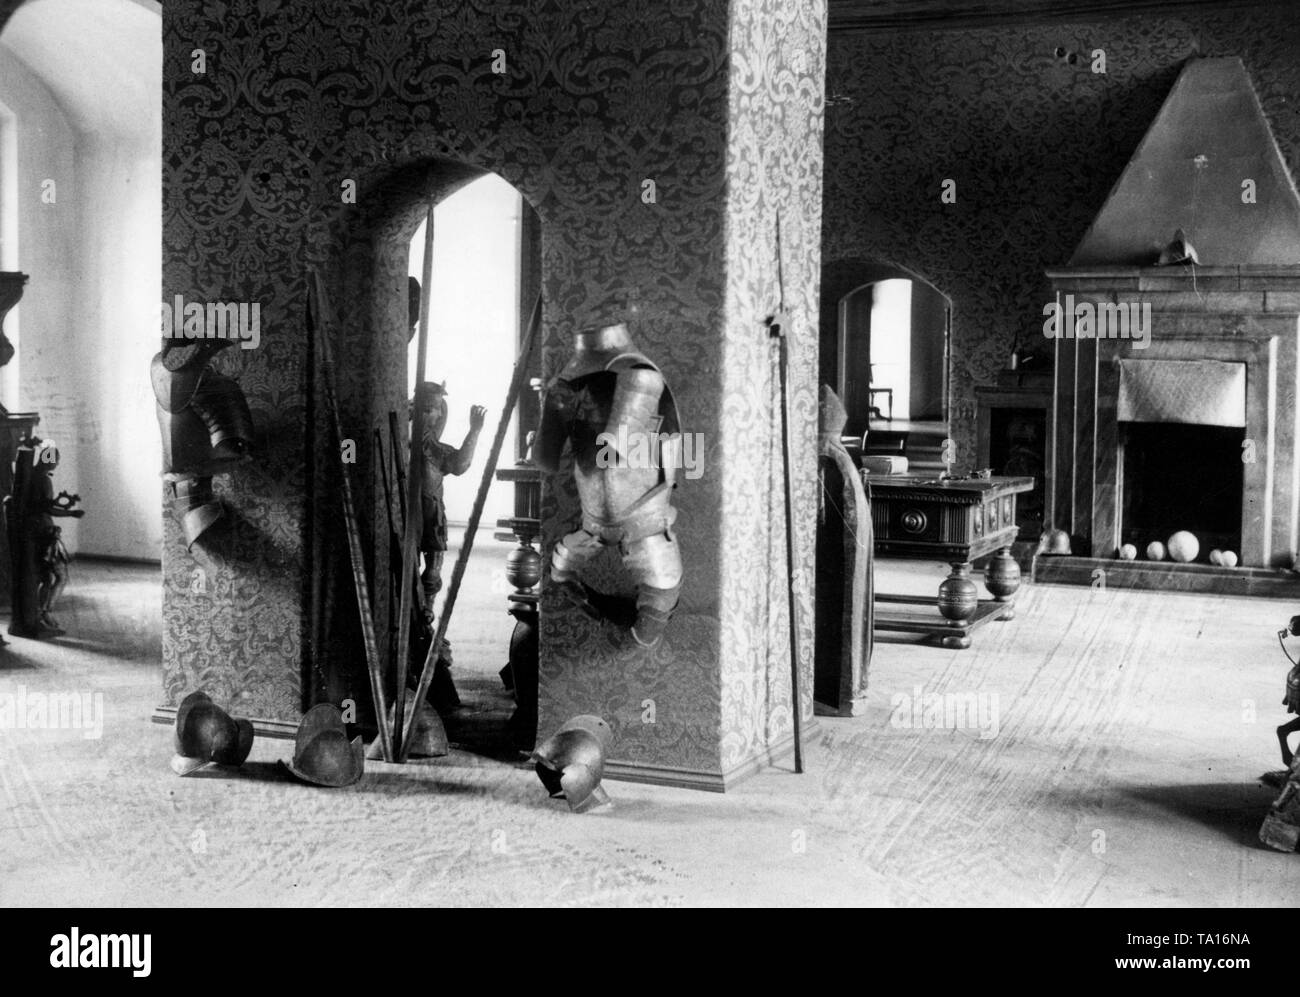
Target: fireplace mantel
<point>1239,314</point>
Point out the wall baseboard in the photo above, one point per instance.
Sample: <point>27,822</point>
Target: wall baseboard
<point>143,562</point>
<point>283,729</point>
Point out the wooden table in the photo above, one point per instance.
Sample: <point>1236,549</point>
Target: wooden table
<point>922,517</point>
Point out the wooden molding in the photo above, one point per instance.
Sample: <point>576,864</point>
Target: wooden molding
<point>284,729</point>
<point>894,15</point>
<point>710,781</point>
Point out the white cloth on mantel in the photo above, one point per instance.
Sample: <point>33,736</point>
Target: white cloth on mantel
<point>1198,392</point>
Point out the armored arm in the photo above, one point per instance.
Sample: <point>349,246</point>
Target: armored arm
<point>63,506</point>
<point>559,403</point>
<point>636,409</point>
<point>461,459</point>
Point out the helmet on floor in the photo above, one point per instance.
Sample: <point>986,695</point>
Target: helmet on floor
<point>205,733</point>
<point>428,739</point>
<point>322,754</point>
<point>1054,542</point>
<point>571,761</point>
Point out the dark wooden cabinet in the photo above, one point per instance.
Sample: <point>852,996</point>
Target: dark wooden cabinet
<point>1011,437</point>
<point>15,427</point>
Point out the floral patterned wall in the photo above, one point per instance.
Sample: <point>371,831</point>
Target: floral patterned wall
<point>774,167</point>
<point>1034,143</point>
<point>594,100</point>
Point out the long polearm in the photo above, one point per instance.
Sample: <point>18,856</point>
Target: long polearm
<point>414,486</point>
<point>322,320</point>
<point>778,331</point>
<point>796,707</point>
<point>512,397</point>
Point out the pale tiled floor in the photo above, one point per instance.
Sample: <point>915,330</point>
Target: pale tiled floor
<point>1123,772</point>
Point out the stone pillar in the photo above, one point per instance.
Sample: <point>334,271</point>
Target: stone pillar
<point>658,144</point>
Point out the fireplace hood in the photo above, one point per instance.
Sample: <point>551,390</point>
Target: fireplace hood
<point>1190,172</point>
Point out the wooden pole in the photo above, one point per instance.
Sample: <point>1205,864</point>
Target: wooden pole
<point>322,321</point>
<point>777,328</point>
<point>414,486</point>
<point>489,470</point>
<point>787,460</point>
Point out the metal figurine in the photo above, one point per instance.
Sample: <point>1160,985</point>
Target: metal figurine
<point>613,407</point>
<point>1291,698</point>
<point>1281,827</point>
<point>206,427</point>
<point>40,560</point>
<point>440,460</point>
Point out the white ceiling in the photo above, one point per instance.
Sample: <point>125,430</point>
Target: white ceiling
<point>102,60</point>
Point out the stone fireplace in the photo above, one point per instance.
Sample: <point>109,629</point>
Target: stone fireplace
<point>1228,332</point>
<point>1175,386</point>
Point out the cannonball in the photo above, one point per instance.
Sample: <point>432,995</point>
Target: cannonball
<point>1128,553</point>
<point>1229,559</point>
<point>1216,556</point>
<point>1183,547</point>
<point>1155,551</point>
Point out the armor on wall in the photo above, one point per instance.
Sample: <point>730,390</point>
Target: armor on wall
<point>206,427</point>
<point>616,413</point>
<point>39,569</point>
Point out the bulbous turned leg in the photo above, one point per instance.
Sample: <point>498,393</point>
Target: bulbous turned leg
<point>958,599</point>
<point>1002,579</point>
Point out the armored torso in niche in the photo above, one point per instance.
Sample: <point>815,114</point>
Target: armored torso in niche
<point>612,407</point>
<point>206,427</point>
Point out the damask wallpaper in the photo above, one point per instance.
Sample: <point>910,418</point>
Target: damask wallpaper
<point>594,100</point>
<point>774,171</point>
<point>1034,142</point>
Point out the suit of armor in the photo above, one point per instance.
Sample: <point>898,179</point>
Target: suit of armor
<point>440,460</point>
<point>614,409</point>
<point>205,424</point>
<point>40,560</point>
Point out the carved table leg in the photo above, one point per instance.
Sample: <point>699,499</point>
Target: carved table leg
<point>1002,579</point>
<point>958,600</point>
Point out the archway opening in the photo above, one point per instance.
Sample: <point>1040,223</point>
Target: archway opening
<point>893,351</point>
<point>81,237</point>
<point>485,279</point>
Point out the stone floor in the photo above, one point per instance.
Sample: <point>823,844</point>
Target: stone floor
<point>1101,749</point>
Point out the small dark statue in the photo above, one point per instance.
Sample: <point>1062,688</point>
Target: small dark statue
<point>1281,828</point>
<point>440,460</point>
<point>40,560</point>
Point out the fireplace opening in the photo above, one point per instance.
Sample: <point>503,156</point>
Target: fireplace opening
<point>1181,477</point>
<point>1017,447</point>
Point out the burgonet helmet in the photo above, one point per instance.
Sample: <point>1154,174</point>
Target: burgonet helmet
<point>428,739</point>
<point>322,754</point>
<point>571,761</point>
<point>207,734</point>
<point>1054,542</point>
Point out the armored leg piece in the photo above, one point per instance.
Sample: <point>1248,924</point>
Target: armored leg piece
<point>1281,828</point>
<point>1283,732</point>
<point>431,579</point>
<point>567,560</point>
<point>656,563</point>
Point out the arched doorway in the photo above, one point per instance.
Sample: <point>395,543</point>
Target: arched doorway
<point>885,331</point>
<point>486,276</point>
